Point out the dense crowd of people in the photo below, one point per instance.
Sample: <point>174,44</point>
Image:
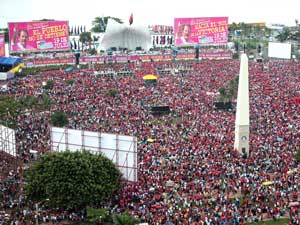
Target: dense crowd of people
<point>190,173</point>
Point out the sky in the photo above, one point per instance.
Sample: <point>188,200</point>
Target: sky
<point>153,12</point>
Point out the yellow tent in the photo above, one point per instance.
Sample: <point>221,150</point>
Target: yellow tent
<point>267,183</point>
<point>150,77</point>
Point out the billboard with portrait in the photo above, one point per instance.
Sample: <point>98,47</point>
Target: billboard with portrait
<point>202,31</point>
<point>2,45</point>
<point>38,36</point>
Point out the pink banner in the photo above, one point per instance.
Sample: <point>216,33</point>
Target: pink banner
<point>192,31</point>
<point>39,36</point>
<point>2,45</point>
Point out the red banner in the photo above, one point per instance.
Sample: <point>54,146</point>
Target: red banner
<point>132,58</point>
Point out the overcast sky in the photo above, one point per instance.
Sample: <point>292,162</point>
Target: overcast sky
<point>161,12</point>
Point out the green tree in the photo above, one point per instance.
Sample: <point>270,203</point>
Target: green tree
<point>29,101</point>
<point>49,85</point>
<point>46,102</point>
<point>100,23</point>
<point>124,219</point>
<point>92,51</point>
<point>223,94</point>
<point>6,36</point>
<point>85,37</point>
<point>297,154</point>
<point>232,89</point>
<point>97,215</point>
<point>112,92</point>
<point>284,35</point>
<point>72,180</point>
<point>10,109</point>
<point>70,81</point>
<point>59,119</point>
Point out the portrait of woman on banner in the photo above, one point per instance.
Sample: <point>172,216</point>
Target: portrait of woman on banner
<point>184,34</point>
<point>20,40</point>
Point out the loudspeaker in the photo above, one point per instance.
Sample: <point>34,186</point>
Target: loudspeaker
<point>77,56</point>
<point>259,49</point>
<point>223,105</point>
<point>158,110</point>
<point>197,53</point>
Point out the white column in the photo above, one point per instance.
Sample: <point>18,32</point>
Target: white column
<point>241,142</point>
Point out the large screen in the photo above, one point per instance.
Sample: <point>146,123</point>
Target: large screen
<point>38,36</point>
<point>279,50</point>
<point>8,140</point>
<point>122,150</point>
<point>209,30</point>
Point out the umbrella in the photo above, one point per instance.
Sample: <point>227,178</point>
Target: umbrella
<point>69,69</point>
<point>292,171</point>
<point>150,140</point>
<point>292,204</point>
<point>267,183</point>
<point>150,77</point>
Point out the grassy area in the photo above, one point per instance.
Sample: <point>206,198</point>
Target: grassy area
<point>271,222</point>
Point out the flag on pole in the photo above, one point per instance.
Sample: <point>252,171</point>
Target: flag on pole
<point>131,19</point>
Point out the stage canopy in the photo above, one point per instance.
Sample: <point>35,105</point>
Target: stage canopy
<point>126,37</point>
<point>10,61</point>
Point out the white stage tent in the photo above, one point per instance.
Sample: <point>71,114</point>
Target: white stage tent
<point>124,36</point>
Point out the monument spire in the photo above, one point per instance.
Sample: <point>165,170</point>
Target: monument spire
<point>241,142</point>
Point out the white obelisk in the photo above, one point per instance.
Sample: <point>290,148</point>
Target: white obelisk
<point>241,142</point>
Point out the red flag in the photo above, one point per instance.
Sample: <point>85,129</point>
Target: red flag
<point>2,45</point>
<point>131,19</point>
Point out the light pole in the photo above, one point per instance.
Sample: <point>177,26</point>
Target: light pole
<point>37,213</point>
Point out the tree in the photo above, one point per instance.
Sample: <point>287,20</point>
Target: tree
<point>46,102</point>
<point>29,101</point>
<point>72,180</point>
<point>98,216</point>
<point>70,82</point>
<point>112,92</point>
<point>124,219</point>
<point>6,35</point>
<point>59,119</point>
<point>223,94</point>
<point>297,154</point>
<point>100,23</point>
<point>10,109</point>
<point>85,37</point>
<point>232,89</point>
<point>284,35</point>
<point>49,84</point>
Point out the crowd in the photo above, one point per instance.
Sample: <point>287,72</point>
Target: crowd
<point>190,174</point>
